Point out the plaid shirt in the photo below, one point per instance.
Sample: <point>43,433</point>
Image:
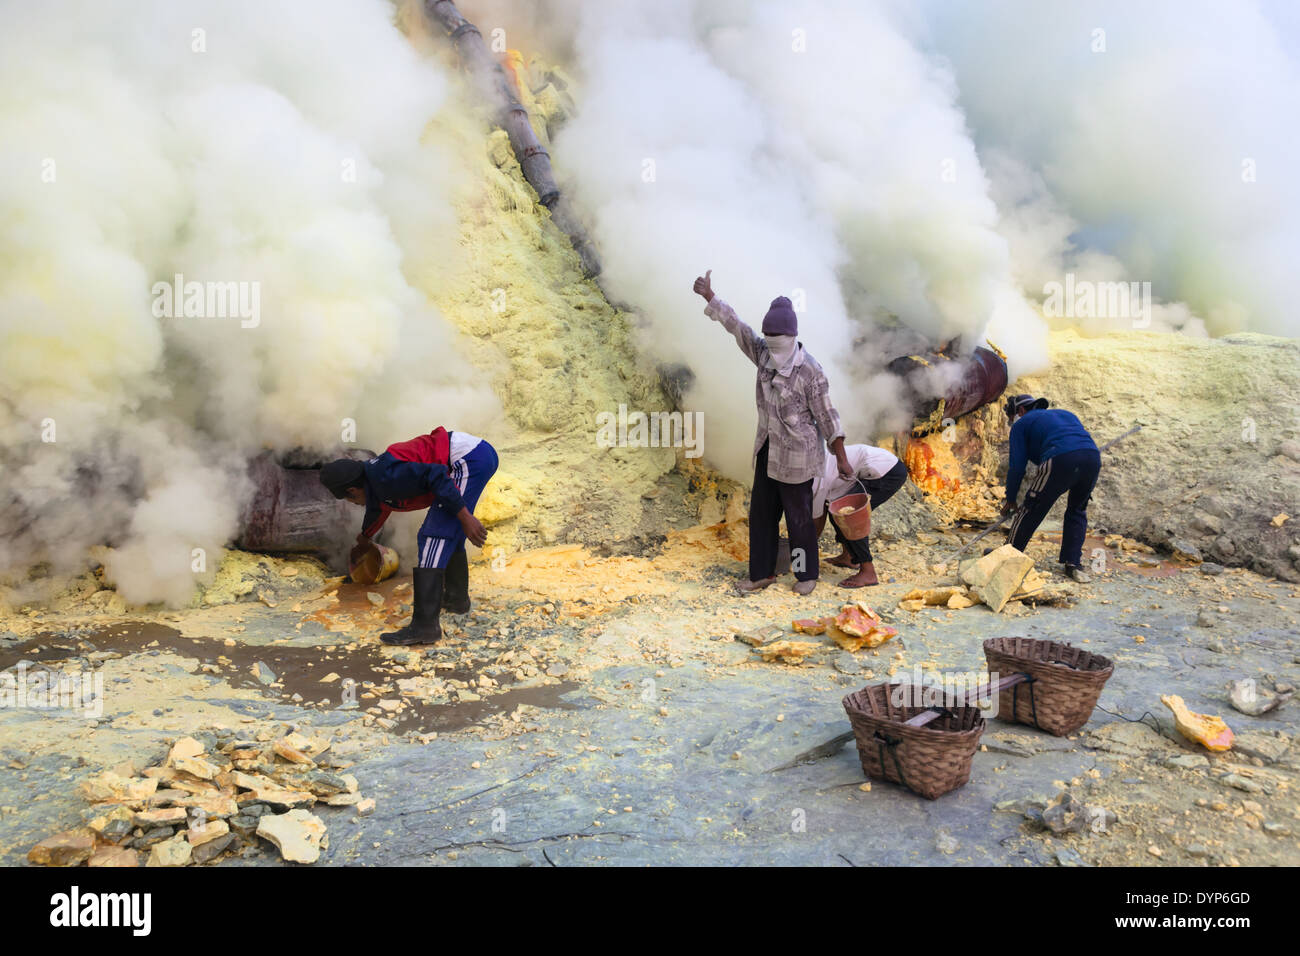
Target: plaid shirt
<point>795,415</point>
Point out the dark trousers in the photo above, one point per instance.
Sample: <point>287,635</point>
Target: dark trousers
<point>769,499</point>
<point>879,490</point>
<point>1073,473</point>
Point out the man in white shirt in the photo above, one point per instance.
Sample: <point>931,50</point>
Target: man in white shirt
<point>877,473</point>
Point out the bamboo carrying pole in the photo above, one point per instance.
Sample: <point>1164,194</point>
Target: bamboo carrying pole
<point>489,78</point>
<point>984,693</point>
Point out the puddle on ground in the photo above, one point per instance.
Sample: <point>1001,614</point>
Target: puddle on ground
<point>354,610</point>
<point>298,670</point>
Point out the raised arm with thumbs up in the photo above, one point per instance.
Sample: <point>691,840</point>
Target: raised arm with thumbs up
<point>704,287</point>
<point>796,425</point>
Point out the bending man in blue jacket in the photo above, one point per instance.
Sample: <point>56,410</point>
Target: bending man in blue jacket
<point>1068,463</point>
<point>444,472</point>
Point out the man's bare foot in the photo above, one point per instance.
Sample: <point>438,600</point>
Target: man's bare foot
<point>866,577</point>
<point>747,586</point>
<point>842,560</point>
<point>804,587</point>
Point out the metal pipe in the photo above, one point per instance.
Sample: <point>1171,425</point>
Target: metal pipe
<point>490,79</point>
<point>984,379</point>
<point>290,511</point>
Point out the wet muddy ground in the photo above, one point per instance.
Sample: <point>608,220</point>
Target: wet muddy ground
<point>552,729</point>
<point>295,672</point>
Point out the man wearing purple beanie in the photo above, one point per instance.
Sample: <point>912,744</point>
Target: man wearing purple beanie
<point>795,417</point>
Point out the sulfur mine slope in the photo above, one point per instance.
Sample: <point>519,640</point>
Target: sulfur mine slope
<point>608,701</point>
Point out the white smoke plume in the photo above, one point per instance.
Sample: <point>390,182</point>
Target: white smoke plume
<point>931,166</point>
<point>269,144</point>
<point>803,149</point>
<point>1162,138</point>
<point>905,172</point>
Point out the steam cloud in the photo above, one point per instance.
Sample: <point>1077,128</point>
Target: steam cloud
<point>906,172</point>
<point>925,169</point>
<point>248,142</point>
<point>1161,139</point>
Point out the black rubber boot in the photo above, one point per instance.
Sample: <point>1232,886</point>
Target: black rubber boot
<point>426,584</point>
<point>1076,573</point>
<point>455,588</point>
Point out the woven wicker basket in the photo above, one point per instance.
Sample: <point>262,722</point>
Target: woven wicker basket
<point>1063,686</point>
<point>929,760</point>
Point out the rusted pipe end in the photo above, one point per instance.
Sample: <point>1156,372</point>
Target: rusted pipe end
<point>445,12</point>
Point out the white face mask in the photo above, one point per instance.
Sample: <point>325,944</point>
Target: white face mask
<point>781,349</point>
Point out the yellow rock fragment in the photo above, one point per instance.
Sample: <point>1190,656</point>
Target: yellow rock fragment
<point>787,652</point>
<point>1208,731</point>
<point>998,575</point>
<point>858,626</point>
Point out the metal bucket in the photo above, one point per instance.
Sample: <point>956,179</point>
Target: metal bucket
<point>370,565</point>
<point>852,513</point>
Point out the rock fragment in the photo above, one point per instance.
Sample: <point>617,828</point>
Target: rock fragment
<point>69,848</point>
<point>298,835</point>
<point>173,852</point>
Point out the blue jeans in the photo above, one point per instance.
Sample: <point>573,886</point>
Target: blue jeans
<point>441,535</point>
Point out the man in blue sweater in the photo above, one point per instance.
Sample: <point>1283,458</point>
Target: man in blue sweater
<point>1068,463</point>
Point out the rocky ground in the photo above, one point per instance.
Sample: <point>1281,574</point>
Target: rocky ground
<point>600,710</point>
<point>1215,470</point>
<point>596,707</point>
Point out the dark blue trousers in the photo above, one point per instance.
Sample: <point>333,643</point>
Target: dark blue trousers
<point>879,490</point>
<point>1072,473</point>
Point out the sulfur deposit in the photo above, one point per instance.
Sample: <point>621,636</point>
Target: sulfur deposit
<point>558,353</point>
<point>956,468</point>
<point>1218,456</point>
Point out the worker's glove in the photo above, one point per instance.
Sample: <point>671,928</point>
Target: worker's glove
<point>1008,507</point>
